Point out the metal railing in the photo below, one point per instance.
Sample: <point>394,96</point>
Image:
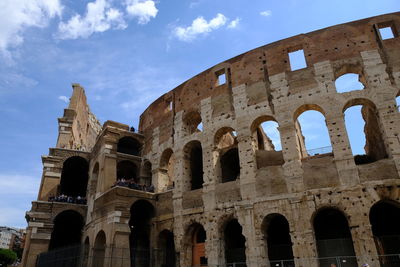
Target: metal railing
<point>318,151</point>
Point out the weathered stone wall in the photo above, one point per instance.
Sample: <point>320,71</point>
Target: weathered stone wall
<point>259,86</point>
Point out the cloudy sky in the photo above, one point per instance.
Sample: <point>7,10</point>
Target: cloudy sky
<point>125,53</point>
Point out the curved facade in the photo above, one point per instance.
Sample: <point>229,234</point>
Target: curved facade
<point>204,185</point>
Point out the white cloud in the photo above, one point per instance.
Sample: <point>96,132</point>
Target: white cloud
<point>199,26</point>
<point>234,23</point>
<point>99,17</point>
<point>266,13</point>
<point>64,98</point>
<point>142,10</point>
<point>16,16</point>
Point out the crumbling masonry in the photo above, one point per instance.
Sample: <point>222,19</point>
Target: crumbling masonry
<point>223,193</point>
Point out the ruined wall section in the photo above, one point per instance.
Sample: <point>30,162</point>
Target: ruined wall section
<point>78,128</point>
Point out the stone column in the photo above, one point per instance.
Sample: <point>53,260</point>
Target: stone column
<point>344,160</point>
<point>292,166</point>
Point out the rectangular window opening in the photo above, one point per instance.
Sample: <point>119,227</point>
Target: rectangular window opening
<point>386,33</point>
<point>297,60</point>
<point>221,77</point>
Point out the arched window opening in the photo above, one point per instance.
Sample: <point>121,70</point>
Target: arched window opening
<point>398,102</point>
<point>312,134</point>
<point>363,129</point>
<point>129,145</point>
<point>278,241</point>
<point>194,164</point>
<point>333,237</point>
<point>385,221</point>
<point>235,248</point>
<point>126,170</point>
<point>140,224</point>
<point>167,253</point>
<point>167,164</point>
<point>74,177</point>
<point>348,82</point>
<point>267,142</point>
<point>99,249</point>
<point>225,137</point>
<point>192,121</point>
<point>230,165</point>
<point>67,230</point>
<point>195,245</point>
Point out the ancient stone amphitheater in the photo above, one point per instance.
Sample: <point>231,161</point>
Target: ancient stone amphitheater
<point>200,182</point>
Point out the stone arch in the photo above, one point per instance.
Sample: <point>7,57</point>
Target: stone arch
<point>277,240</point>
<point>67,229</point>
<point>142,213</point>
<point>332,235</point>
<point>127,170</point>
<point>375,147</point>
<point>317,114</point>
<point>194,245</point>
<point>99,249</point>
<point>226,155</point>
<point>129,145</point>
<point>266,141</point>
<point>384,217</point>
<point>74,177</point>
<point>234,243</point>
<point>166,170</point>
<point>192,122</point>
<point>166,249</point>
<point>193,165</point>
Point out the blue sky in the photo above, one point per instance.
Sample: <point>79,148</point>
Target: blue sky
<point>126,54</point>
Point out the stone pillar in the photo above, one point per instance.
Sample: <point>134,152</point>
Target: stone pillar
<point>246,220</point>
<point>344,160</point>
<point>292,166</point>
<point>120,250</point>
<point>36,243</point>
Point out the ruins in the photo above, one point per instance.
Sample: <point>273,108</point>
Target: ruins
<point>200,183</point>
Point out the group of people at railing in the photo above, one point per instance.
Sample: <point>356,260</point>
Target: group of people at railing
<point>131,183</point>
<point>68,199</point>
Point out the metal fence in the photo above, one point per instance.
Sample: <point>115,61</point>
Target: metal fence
<point>319,151</point>
<point>83,256</point>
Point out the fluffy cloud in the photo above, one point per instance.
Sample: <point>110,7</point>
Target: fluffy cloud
<point>64,98</point>
<point>199,26</point>
<point>142,10</point>
<point>16,16</point>
<point>234,23</point>
<point>266,13</point>
<point>99,17</point>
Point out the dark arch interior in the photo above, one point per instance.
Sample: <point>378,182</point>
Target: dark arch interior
<point>230,166</point>
<point>333,235</point>
<point>67,230</point>
<point>99,249</point>
<point>74,177</point>
<point>234,243</point>
<point>140,224</point>
<point>167,249</point>
<point>126,170</point>
<point>196,166</point>
<point>128,145</point>
<point>385,221</point>
<point>200,235</point>
<point>278,239</point>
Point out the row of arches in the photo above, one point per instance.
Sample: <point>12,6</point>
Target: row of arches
<point>332,235</point>
<point>312,138</point>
